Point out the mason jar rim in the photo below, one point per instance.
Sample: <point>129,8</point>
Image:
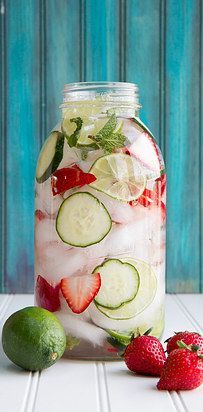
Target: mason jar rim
<point>122,97</point>
<point>77,86</point>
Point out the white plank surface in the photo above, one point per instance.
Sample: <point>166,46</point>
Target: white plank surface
<point>85,386</point>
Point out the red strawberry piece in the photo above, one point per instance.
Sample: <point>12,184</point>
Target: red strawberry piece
<point>145,355</point>
<point>148,197</point>
<point>162,181</point>
<point>46,295</point>
<point>163,211</point>
<point>183,370</point>
<point>69,177</point>
<point>40,215</point>
<point>79,291</point>
<point>189,338</point>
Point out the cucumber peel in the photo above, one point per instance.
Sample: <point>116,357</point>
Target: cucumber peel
<point>142,126</point>
<point>124,338</point>
<point>50,156</point>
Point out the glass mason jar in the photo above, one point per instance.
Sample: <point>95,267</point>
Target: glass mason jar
<point>100,221</point>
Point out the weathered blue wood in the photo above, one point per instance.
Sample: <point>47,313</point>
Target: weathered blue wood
<point>62,53</point>
<point>2,143</point>
<point>101,40</point>
<point>201,144</point>
<point>142,57</point>
<point>183,144</point>
<point>22,118</point>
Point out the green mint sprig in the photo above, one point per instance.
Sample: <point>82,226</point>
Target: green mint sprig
<point>107,139</point>
<point>73,138</point>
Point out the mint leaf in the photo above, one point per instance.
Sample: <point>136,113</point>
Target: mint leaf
<point>108,128</point>
<point>73,138</point>
<point>107,139</point>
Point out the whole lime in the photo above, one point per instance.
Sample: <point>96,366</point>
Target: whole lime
<point>33,338</point>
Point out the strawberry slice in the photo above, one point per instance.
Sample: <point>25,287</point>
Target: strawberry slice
<point>161,184</point>
<point>163,211</point>
<point>69,177</point>
<point>46,295</point>
<point>79,291</point>
<point>39,214</point>
<point>148,197</point>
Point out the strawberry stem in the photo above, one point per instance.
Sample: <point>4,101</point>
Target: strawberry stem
<point>181,344</point>
<point>191,348</point>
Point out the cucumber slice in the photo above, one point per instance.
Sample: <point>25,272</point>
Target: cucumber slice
<point>50,156</point>
<point>119,283</point>
<point>82,220</point>
<point>145,295</point>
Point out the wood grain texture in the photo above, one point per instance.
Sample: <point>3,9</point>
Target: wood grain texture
<point>2,143</point>
<point>141,57</point>
<point>154,43</point>
<point>183,144</point>
<point>22,145</point>
<point>201,143</point>
<point>62,37</point>
<point>101,40</point>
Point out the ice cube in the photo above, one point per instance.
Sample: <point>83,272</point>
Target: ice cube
<point>45,201</point>
<point>81,329</point>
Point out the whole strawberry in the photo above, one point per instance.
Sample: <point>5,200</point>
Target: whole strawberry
<point>189,338</point>
<point>145,355</point>
<point>183,370</point>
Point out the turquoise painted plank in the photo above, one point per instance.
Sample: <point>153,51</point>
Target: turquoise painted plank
<point>62,53</point>
<point>201,143</point>
<point>2,144</point>
<point>22,117</point>
<point>142,57</point>
<point>183,144</point>
<point>51,42</point>
<point>101,40</point>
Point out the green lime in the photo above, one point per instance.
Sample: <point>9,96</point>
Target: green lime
<point>33,338</point>
<point>119,176</point>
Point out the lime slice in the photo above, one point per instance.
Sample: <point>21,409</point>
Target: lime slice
<point>145,295</point>
<point>119,176</point>
<point>157,325</point>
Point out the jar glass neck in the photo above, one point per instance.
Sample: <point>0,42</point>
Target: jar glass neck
<point>119,98</point>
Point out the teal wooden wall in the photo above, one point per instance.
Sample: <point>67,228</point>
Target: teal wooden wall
<point>154,43</point>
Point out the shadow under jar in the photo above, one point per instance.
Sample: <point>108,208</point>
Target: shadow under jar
<point>100,211</point>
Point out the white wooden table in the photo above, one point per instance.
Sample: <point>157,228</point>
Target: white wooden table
<point>84,386</point>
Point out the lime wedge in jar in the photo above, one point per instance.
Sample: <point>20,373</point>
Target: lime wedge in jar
<point>119,176</point>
